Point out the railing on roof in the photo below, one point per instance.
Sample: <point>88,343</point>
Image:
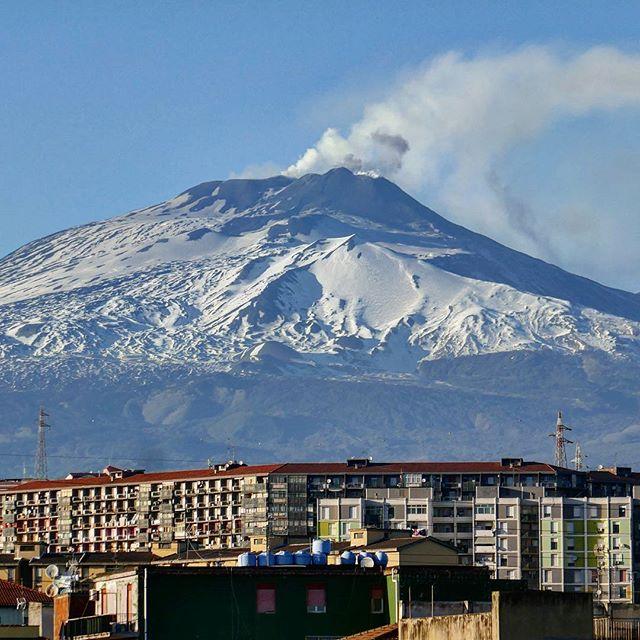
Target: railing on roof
<point>87,627</point>
<point>609,629</point>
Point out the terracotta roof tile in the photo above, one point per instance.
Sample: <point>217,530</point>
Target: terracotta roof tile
<point>374,468</point>
<point>10,592</point>
<point>159,476</point>
<point>320,468</point>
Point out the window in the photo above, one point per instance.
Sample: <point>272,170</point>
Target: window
<point>486,509</point>
<point>391,512</point>
<point>593,512</point>
<point>616,543</point>
<point>377,600</point>
<point>622,575</point>
<point>512,574</point>
<point>622,592</point>
<point>548,575</point>
<point>353,513</point>
<point>615,528</point>
<point>413,479</point>
<point>417,510</point>
<point>571,544</point>
<point>325,513</point>
<point>555,560</point>
<point>555,527</point>
<point>554,544</point>
<point>316,599</point>
<point>546,511</point>
<point>622,511</point>
<point>511,511</point>
<point>568,527</point>
<point>265,598</point>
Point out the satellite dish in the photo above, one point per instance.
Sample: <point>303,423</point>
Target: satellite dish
<point>52,571</point>
<point>52,590</point>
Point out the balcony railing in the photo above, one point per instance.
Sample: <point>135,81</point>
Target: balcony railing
<point>91,626</point>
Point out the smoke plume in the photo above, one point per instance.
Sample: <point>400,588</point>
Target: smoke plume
<point>444,130</point>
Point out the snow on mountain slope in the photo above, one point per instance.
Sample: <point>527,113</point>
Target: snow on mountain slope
<point>336,271</point>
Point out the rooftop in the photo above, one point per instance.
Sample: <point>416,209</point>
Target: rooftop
<point>111,475</point>
<point>10,593</point>
<point>114,558</point>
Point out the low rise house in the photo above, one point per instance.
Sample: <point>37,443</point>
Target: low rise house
<point>85,566</point>
<point>14,569</point>
<point>24,607</point>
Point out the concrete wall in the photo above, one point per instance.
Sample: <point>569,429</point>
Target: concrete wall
<point>542,615</point>
<point>530,615</point>
<point>473,626</point>
<point>41,616</point>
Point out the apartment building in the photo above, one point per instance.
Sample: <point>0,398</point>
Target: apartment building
<point>492,511</point>
<point>120,510</point>
<point>519,528</point>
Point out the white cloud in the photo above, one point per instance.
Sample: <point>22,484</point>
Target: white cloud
<point>444,129</point>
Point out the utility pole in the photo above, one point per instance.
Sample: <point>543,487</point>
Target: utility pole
<point>560,452</point>
<point>41,454</point>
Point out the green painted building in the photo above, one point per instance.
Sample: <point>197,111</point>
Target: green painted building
<point>279,602</point>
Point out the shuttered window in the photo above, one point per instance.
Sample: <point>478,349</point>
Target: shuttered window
<point>266,598</point>
<point>377,600</point>
<point>316,598</point>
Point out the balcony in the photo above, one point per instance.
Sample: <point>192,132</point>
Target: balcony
<point>104,626</point>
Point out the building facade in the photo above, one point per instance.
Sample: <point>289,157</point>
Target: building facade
<point>556,535</point>
<point>493,512</point>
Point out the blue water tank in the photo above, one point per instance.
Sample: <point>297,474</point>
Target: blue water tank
<point>303,558</point>
<point>266,559</point>
<point>348,557</point>
<point>366,559</point>
<point>321,546</point>
<point>319,558</point>
<point>381,558</point>
<point>284,557</point>
<point>247,560</point>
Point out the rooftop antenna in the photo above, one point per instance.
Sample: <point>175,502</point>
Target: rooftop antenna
<point>560,453</point>
<point>41,455</point>
<point>579,458</point>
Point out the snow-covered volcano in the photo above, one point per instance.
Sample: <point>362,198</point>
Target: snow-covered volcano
<point>325,276</point>
<point>341,269</point>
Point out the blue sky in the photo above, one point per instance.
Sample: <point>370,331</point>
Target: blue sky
<point>106,107</point>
